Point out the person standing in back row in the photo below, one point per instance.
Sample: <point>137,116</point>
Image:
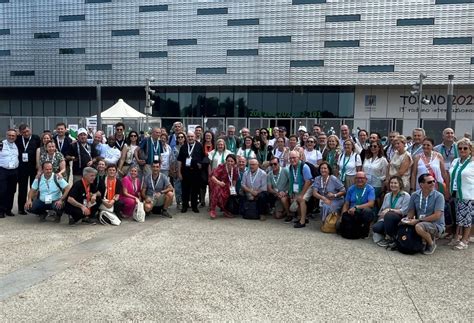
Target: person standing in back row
<point>189,171</point>
<point>27,144</point>
<point>8,172</point>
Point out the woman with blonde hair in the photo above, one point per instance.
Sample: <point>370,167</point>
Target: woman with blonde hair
<point>331,154</point>
<point>400,162</point>
<point>349,163</point>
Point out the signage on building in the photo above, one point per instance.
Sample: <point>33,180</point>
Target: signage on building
<point>462,103</point>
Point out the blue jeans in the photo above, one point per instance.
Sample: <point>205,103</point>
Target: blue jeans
<point>39,207</point>
<point>178,190</point>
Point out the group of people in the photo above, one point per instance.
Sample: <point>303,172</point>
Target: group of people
<point>368,185</point>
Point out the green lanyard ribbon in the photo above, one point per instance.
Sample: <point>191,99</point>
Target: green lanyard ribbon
<point>457,176</point>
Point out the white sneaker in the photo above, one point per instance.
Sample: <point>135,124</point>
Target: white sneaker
<point>461,246</point>
<point>453,242</point>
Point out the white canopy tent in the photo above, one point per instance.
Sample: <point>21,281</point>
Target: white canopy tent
<point>120,110</point>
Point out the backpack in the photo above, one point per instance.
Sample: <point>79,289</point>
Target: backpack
<point>314,170</point>
<point>250,210</point>
<point>352,226</point>
<point>408,241</point>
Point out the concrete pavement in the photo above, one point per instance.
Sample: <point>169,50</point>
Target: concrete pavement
<point>192,268</point>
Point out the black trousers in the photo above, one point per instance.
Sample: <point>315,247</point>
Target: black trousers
<point>191,186</point>
<point>26,176</point>
<point>8,180</point>
<point>76,212</point>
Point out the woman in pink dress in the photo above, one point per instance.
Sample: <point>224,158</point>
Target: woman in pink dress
<point>222,183</point>
<point>131,191</point>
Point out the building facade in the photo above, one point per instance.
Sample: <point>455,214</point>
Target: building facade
<point>245,62</point>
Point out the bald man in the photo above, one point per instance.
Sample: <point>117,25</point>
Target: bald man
<point>357,211</point>
<point>447,148</point>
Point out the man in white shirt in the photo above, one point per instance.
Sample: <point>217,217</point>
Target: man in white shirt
<point>111,152</point>
<point>52,194</point>
<point>254,186</point>
<point>8,172</point>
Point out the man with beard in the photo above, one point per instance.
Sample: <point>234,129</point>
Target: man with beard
<point>63,144</point>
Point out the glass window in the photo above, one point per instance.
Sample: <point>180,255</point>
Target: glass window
<point>346,105</point>
<point>98,1</point>
<point>241,100</point>
<point>4,1</point>
<point>242,52</point>
<point>452,1</point>
<point>376,68</point>
<point>126,32</point>
<point>37,108</point>
<point>243,22</point>
<point>22,73</point>
<point>269,102</point>
<point>72,18</point>
<point>26,108</point>
<point>415,21</point>
<point>341,43</point>
<point>49,110</point>
<point>170,105</point>
<point>255,102</point>
<point>299,105</point>
<point>211,70</point>
<point>151,8</point>
<point>199,101</point>
<point>433,128</point>
<point>185,102</point>
<point>72,51</point>
<point>72,108</point>
<point>5,52</point>
<point>307,63</point>
<point>472,60</point>
<point>284,103</point>
<point>92,67</point>
<point>382,126</point>
<point>152,54</point>
<point>274,39</point>
<point>330,105</point>
<point>226,103</point>
<point>4,31</point>
<point>296,2</point>
<point>178,42</point>
<point>212,11</point>
<point>46,35</point>
<point>315,104</point>
<point>452,41</point>
<point>212,102</point>
<point>337,18</point>
<point>4,109</point>
<point>15,106</point>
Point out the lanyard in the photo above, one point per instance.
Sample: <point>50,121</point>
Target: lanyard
<point>25,146</point>
<point>156,146</point>
<point>253,178</point>
<point>415,151</point>
<point>359,197</point>
<point>231,175</point>
<point>46,181</point>
<point>344,164</point>
<point>263,155</point>
<point>87,188</point>
<point>52,160</point>
<point>110,188</point>
<point>447,153</point>
<point>393,202</point>
<point>190,151</point>
<point>277,179</point>
<point>120,143</point>
<point>423,211</point>
<point>154,183</point>
<point>331,157</point>
<point>60,143</point>
<point>247,155</point>
<point>232,143</point>
<point>457,176</point>
<point>86,148</point>
<point>324,185</point>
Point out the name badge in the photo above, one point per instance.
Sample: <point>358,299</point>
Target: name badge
<point>48,199</point>
<point>156,158</point>
<point>296,188</point>
<point>320,203</point>
<point>422,216</point>
<point>24,157</point>
<point>84,202</point>
<point>233,190</point>
<point>188,162</point>
<point>276,190</point>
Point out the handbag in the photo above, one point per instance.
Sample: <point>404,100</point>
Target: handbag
<point>329,225</point>
<point>139,212</point>
<point>102,207</point>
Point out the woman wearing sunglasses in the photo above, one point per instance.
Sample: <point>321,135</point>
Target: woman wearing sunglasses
<point>462,188</point>
<point>400,162</point>
<point>349,164</point>
<point>263,153</point>
<point>128,157</point>
<point>375,166</point>
<point>180,141</point>
<point>430,162</point>
<point>311,154</point>
<point>331,154</point>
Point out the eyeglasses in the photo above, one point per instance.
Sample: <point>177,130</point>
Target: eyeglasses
<point>430,182</point>
<point>374,146</point>
<point>274,164</point>
<point>426,145</point>
<point>133,136</point>
<point>293,157</point>
<point>310,142</point>
<point>118,129</point>
<point>463,148</point>
<point>360,177</point>
<point>180,137</point>
<point>263,132</point>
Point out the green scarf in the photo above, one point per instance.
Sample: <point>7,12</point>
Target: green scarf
<point>299,177</point>
<point>458,176</point>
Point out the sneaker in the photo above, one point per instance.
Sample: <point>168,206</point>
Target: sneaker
<point>430,249</point>
<point>453,242</point>
<point>89,221</point>
<point>42,217</point>
<point>461,246</point>
<point>71,220</point>
<point>288,219</point>
<point>2,215</point>
<point>392,245</point>
<point>166,214</point>
<point>384,243</point>
<point>299,225</point>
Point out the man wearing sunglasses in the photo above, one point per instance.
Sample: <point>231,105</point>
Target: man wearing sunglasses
<point>278,183</point>
<point>426,212</point>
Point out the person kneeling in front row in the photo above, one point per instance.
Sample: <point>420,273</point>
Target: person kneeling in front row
<point>357,211</point>
<point>51,196</point>
<point>426,212</point>
<point>157,191</point>
<point>84,198</point>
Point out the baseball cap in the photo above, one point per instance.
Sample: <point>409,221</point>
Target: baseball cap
<point>81,130</point>
<point>302,128</point>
